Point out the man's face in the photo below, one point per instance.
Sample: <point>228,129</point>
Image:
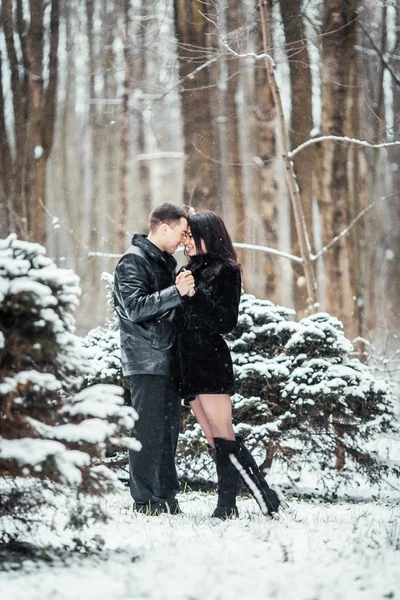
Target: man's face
<point>174,235</point>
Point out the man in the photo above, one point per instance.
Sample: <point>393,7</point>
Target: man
<point>146,299</point>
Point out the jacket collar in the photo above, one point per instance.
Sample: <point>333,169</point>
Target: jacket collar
<point>167,260</point>
<point>201,261</point>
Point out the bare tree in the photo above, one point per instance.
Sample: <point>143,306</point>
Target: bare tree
<point>144,199</point>
<point>264,135</point>
<point>125,118</point>
<point>338,41</point>
<point>34,111</point>
<point>201,188</point>
<point>301,124</point>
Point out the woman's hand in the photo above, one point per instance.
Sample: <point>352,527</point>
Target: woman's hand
<point>185,282</point>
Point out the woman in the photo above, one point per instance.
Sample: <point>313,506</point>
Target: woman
<point>209,312</point>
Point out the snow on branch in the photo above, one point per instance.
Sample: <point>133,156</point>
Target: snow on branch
<point>158,155</point>
<point>260,56</point>
<point>265,249</point>
<point>338,138</point>
<point>269,251</point>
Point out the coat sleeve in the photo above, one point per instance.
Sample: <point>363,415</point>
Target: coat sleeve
<point>220,313</point>
<point>133,293</point>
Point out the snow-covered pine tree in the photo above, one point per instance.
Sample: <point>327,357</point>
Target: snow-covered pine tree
<point>104,353</point>
<point>301,401</point>
<point>103,347</point>
<point>51,429</point>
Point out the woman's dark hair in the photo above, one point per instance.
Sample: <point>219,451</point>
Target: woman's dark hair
<point>209,227</point>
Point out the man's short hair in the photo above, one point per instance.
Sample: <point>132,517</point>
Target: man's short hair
<point>166,213</point>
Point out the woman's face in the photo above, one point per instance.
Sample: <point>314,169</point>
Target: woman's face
<point>190,246</point>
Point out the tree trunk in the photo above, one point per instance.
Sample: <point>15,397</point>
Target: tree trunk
<point>301,124</point>
<point>378,228</point>
<point>338,54</point>
<point>263,132</point>
<point>7,176</point>
<point>235,198</point>
<point>358,201</point>
<point>143,167</point>
<point>201,188</point>
<point>36,160</point>
<point>392,237</point>
<point>15,172</point>
<point>290,176</point>
<point>33,110</point>
<point>128,58</point>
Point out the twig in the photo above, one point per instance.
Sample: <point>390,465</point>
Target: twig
<point>381,56</point>
<point>347,229</point>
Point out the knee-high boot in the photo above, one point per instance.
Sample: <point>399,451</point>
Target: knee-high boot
<point>254,480</point>
<point>228,478</point>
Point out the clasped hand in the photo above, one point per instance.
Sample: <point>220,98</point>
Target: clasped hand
<point>185,283</point>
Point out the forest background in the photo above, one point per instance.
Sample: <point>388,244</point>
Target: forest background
<point>110,107</point>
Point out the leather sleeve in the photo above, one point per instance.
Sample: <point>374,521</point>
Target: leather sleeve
<point>220,313</point>
<point>134,294</point>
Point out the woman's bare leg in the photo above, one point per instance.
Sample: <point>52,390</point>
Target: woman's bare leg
<point>202,420</point>
<point>217,410</point>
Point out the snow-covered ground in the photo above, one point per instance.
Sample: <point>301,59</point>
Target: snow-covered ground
<point>320,552</point>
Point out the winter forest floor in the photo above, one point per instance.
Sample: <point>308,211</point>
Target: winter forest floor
<point>319,552</point>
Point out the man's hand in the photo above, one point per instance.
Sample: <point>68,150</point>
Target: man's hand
<point>185,282</point>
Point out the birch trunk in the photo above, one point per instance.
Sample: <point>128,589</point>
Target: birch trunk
<point>392,246</point>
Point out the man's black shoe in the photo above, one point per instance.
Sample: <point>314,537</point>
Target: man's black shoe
<point>224,513</point>
<point>172,508</point>
<point>150,509</point>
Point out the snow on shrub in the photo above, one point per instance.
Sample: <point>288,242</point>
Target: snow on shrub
<point>301,401</point>
<point>52,429</point>
<point>104,354</point>
<point>103,346</point>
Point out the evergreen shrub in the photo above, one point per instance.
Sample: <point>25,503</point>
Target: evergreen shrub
<point>54,429</point>
<point>302,402</point>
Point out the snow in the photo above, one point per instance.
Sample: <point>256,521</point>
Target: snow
<point>38,152</point>
<point>103,401</point>
<point>92,431</point>
<point>24,285</point>
<point>40,381</point>
<point>15,267</point>
<point>31,452</point>
<point>320,552</point>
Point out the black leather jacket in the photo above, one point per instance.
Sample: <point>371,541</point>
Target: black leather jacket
<point>146,299</point>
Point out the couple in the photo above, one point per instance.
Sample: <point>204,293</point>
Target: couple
<point>172,347</point>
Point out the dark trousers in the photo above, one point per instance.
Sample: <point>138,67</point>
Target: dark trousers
<point>152,471</point>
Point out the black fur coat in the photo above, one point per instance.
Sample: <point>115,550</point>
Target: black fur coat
<point>205,360</point>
